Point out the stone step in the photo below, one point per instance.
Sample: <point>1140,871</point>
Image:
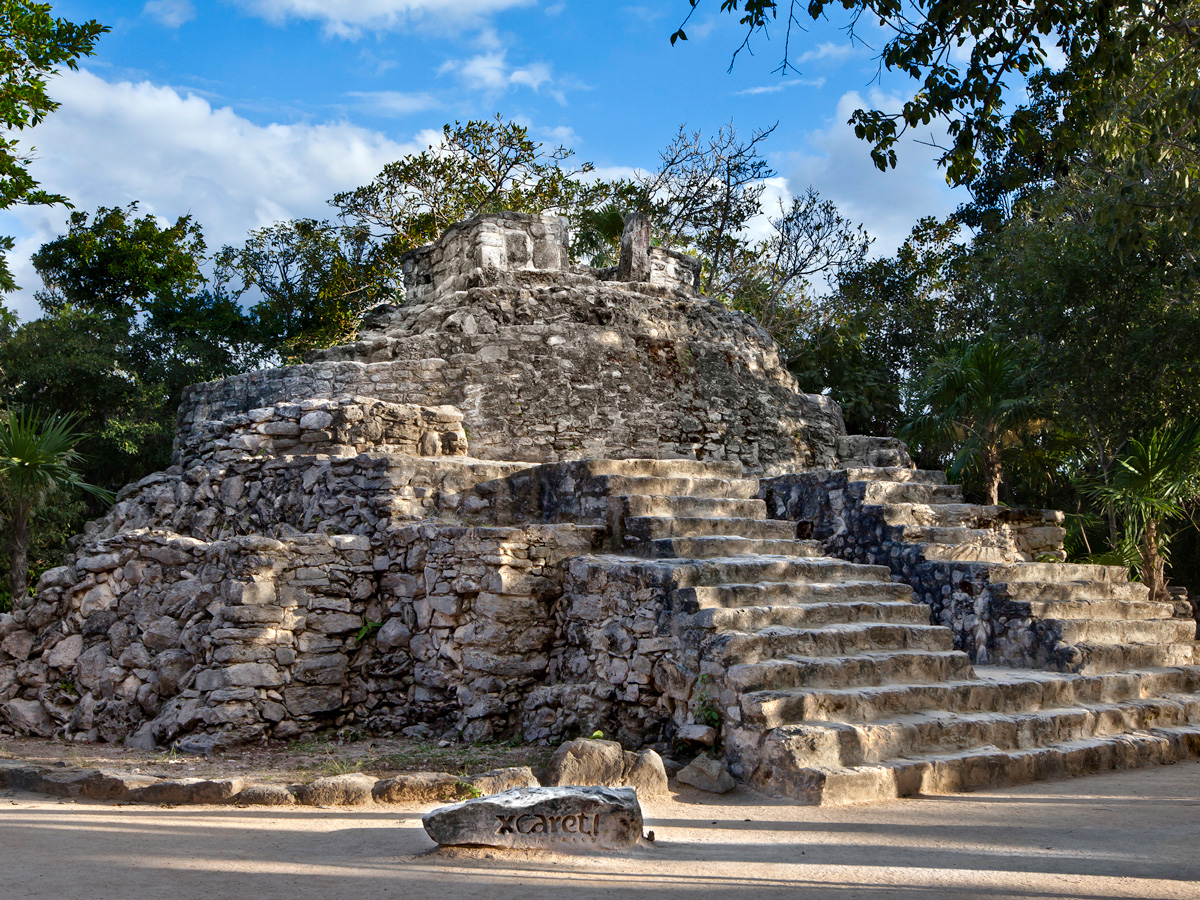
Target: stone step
<point>779,593</point>
<point>739,570</point>
<point>812,615</point>
<point>654,527</point>
<point>935,732</point>
<point>720,546</point>
<point>1116,631</point>
<point>945,515</point>
<point>896,474</point>
<point>1088,657</point>
<point>965,553</point>
<point>1085,609</point>
<point>973,768</point>
<point>688,507</point>
<point>664,468</point>
<point>836,640</point>
<point>994,690</point>
<point>957,536</point>
<point>1049,593</point>
<point>1056,572</point>
<point>881,492</point>
<point>861,669</point>
<point>715,488</point>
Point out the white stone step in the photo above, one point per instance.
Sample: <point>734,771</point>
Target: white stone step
<point>673,505</point>
<point>881,492</point>
<point>719,546</point>
<point>777,593</point>
<point>811,615</point>
<point>837,639</point>
<point>862,668</point>
<point>995,689</point>
<point>973,768</point>
<point>654,527</point>
<point>1052,572</point>
<point>896,474</point>
<point>756,569</point>
<point>716,488</point>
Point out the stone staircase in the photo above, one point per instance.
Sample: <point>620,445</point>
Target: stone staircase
<point>994,575</point>
<point>831,683</point>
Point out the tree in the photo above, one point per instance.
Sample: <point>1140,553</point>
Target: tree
<point>32,45</point>
<point>980,403</point>
<point>1152,483</point>
<point>130,321</point>
<point>702,196</point>
<point>38,459</point>
<point>482,166</point>
<point>314,281</point>
<point>772,278</point>
<point>1103,42</point>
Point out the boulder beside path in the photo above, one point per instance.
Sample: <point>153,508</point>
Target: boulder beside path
<point>551,818</point>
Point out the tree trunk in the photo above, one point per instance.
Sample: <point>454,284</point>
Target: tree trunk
<point>993,474</point>
<point>1153,574</point>
<point>18,576</point>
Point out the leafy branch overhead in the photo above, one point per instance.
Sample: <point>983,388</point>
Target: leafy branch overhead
<point>1135,62</point>
<point>33,44</point>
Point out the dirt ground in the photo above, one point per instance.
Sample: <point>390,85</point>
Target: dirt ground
<point>285,762</point>
<point>1123,835</point>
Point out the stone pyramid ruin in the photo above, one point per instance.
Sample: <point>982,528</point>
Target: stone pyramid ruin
<point>538,500</point>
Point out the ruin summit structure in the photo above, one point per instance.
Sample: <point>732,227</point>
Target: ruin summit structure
<point>537,500</point>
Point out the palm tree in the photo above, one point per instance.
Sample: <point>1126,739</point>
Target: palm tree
<point>37,460</point>
<point>1152,483</point>
<point>979,402</point>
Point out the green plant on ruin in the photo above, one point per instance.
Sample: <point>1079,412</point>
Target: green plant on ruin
<point>705,710</point>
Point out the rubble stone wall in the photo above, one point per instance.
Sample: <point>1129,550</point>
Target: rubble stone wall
<point>337,425</point>
<point>443,630</point>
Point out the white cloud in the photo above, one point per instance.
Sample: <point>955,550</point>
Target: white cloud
<point>834,53</point>
<point>888,203</point>
<point>490,73</point>
<point>394,104</point>
<point>171,13</point>
<point>112,143</point>
<point>349,18</point>
<point>781,86</point>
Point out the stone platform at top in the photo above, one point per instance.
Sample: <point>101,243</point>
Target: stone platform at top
<point>549,362</point>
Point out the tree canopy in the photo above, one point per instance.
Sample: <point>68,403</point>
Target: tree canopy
<point>33,44</point>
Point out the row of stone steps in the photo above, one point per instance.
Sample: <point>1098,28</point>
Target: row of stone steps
<point>845,692</point>
<point>1094,619</point>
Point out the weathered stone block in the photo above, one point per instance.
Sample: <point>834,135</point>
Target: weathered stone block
<point>557,818</point>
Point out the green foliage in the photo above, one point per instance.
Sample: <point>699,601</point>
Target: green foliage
<point>1004,42</point>
<point>368,629</point>
<point>981,404</point>
<point>1152,483</point>
<point>38,460</point>
<point>314,281</point>
<point>479,167</point>
<point>129,322</point>
<point>705,708</point>
<point>33,44</point>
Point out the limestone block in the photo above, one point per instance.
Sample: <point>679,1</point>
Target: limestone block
<point>420,787</point>
<point>184,791</point>
<point>606,763</point>
<point>353,789</point>
<point>265,795</point>
<point>29,717</point>
<point>65,652</point>
<point>18,645</point>
<point>707,774</point>
<point>557,818</point>
<point>499,780</point>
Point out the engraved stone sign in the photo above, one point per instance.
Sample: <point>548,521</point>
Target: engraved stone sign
<point>555,818</point>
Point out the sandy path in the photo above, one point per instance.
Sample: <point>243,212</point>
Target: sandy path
<point>1129,835</point>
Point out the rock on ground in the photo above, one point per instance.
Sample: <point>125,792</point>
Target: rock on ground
<point>607,764</point>
<point>558,818</point>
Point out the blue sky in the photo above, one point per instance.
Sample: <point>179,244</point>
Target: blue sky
<point>243,113</point>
